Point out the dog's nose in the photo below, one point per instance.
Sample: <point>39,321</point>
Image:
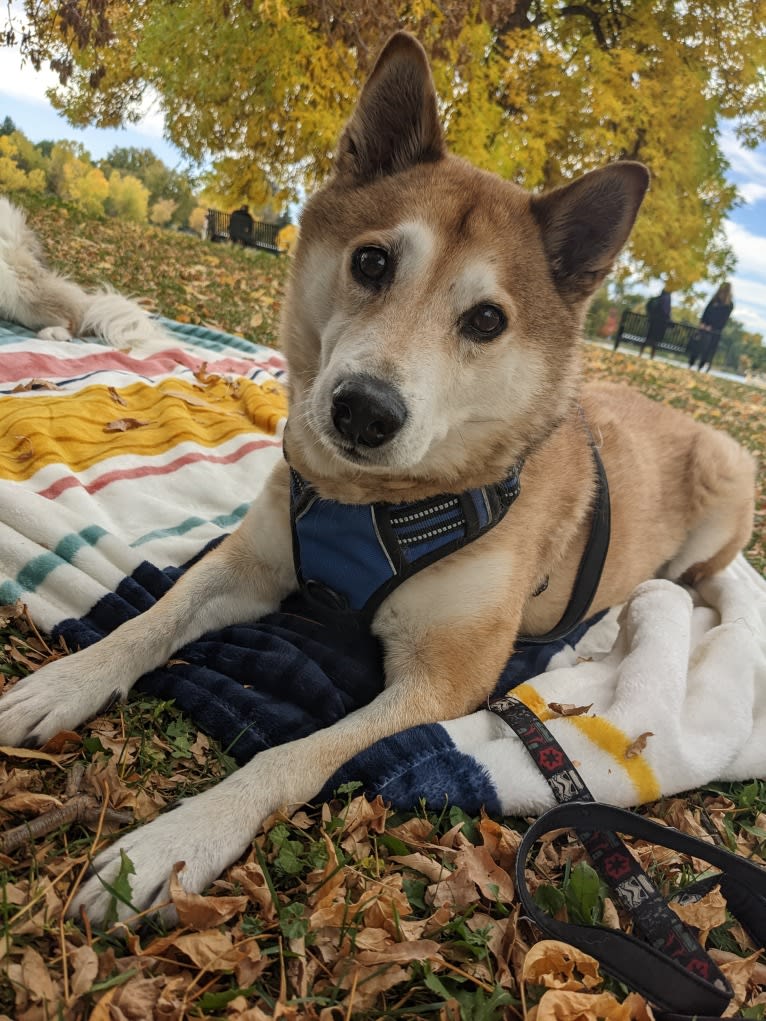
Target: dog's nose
<point>367,411</point>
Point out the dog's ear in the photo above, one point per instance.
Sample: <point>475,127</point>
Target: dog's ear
<point>396,122</point>
<point>586,223</point>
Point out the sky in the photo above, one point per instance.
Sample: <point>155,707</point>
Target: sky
<point>23,98</point>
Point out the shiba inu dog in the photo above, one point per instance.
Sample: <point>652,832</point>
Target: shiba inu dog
<point>432,328</point>
<point>34,295</point>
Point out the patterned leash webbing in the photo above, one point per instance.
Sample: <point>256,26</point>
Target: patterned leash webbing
<point>668,965</point>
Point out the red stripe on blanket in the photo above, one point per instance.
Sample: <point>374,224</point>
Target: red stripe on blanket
<point>145,471</point>
<point>17,365</point>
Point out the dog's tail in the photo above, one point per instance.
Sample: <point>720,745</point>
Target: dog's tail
<point>14,230</point>
<point>59,309</point>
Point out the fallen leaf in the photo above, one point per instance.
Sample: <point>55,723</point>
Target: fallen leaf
<point>210,949</point>
<point>638,745</point>
<point>501,841</point>
<point>36,977</point>
<point>568,709</point>
<point>121,425</point>
<point>10,612</point>
<point>558,1005</point>
<point>704,914</point>
<point>33,753</point>
<point>28,801</point>
<point>740,971</point>
<point>84,961</point>
<point>553,964</point>
<point>402,953</point>
<point>116,397</point>
<point>198,912</point>
<point>35,384</point>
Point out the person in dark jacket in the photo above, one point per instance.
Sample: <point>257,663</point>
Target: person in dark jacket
<point>658,310</point>
<point>241,226</point>
<point>714,318</point>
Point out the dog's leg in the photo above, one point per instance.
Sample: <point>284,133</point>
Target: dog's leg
<point>54,333</point>
<point>244,578</point>
<point>432,674</point>
<point>720,484</point>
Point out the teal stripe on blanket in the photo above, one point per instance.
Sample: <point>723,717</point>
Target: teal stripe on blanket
<point>214,340</point>
<point>199,336</point>
<point>34,573</point>
<point>221,520</point>
<point>12,333</point>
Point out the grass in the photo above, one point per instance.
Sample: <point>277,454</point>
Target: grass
<point>336,912</point>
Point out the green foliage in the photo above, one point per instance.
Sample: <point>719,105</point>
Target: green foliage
<point>119,889</point>
<point>582,895</point>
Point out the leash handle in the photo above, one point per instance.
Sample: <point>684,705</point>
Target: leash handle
<point>668,966</point>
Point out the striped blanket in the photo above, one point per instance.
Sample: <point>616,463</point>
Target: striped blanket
<point>119,468</point>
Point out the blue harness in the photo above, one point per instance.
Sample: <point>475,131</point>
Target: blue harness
<point>349,557</point>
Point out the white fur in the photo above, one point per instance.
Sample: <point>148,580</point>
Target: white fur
<point>59,309</point>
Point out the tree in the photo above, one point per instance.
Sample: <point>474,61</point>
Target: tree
<point>162,182</point>
<point>127,197</point>
<point>162,212</point>
<point>74,178</point>
<point>14,175</point>
<point>538,90</point>
<point>7,127</point>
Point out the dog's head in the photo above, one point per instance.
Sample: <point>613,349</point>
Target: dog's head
<point>434,309</point>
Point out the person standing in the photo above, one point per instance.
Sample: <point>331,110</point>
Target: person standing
<point>658,309</point>
<point>714,318</point>
<point>241,226</point>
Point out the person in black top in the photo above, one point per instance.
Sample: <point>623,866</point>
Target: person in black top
<point>241,226</point>
<point>714,318</point>
<point>658,310</point>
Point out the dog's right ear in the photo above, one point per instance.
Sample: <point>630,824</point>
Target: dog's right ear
<point>396,123</point>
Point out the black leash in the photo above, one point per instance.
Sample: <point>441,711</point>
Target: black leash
<point>667,966</point>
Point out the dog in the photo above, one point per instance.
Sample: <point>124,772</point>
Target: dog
<point>431,328</point>
<point>57,308</point>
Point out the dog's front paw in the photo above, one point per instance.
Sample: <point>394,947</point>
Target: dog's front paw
<point>57,697</point>
<point>193,833</point>
<point>54,333</point>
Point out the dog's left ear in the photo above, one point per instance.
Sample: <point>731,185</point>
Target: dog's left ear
<point>586,223</point>
<point>396,123</point>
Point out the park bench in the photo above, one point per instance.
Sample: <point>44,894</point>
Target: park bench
<point>634,327</point>
<point>263,235</point>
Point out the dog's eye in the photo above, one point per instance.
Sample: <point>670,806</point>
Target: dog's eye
<point>371,266</point>
<point>483,322</point>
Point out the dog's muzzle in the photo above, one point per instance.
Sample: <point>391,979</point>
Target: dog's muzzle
<point>366,411</point>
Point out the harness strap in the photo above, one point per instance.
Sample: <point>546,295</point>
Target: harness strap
<point>668,966</point>
<point>591,563</point>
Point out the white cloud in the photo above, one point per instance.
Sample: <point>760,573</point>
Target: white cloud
<point>749,282</point>
<point>752,191</point>
<point>744,162</point>
<point>21,81</point>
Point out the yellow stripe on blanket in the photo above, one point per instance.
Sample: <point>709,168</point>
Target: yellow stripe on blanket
<point>604,735</point>
<point>80,429</point>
